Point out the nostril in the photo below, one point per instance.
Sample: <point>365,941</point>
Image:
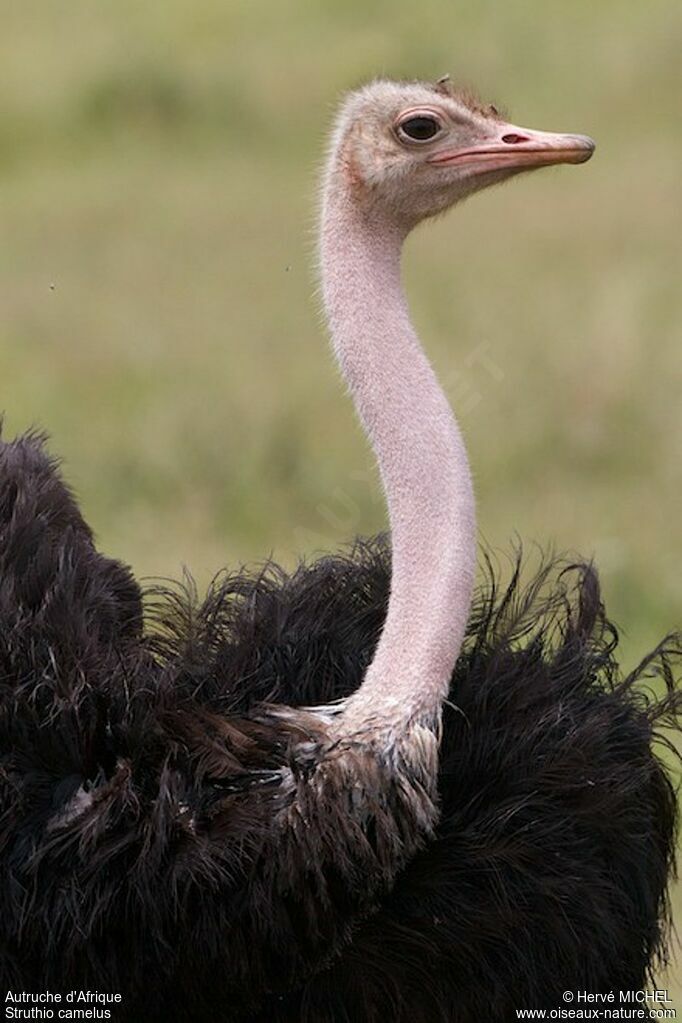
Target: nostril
<point>513,140</point>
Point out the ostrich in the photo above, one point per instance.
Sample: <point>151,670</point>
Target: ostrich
<point>360,791</point>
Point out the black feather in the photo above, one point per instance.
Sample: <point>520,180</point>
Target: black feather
<point>140,777</point>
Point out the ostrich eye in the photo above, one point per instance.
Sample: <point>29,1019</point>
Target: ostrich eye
<point>420,128</point>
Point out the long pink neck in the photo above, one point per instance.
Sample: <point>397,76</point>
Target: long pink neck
<point>422,460</point>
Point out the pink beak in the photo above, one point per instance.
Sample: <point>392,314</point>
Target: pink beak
<point>511,147</point>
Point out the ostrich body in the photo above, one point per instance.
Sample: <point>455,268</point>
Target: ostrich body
<point>347,793</point>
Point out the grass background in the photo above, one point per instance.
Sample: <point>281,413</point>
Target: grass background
<point>157,167</point>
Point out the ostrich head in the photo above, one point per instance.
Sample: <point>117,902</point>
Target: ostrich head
<point>401,152</point>
<point>412,150</point>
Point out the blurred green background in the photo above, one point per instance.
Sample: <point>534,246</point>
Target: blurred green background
<point>158,168</point>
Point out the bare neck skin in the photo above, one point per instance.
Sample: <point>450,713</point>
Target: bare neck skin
<point>421,457</point>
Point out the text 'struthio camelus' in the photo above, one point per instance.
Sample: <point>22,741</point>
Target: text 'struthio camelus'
<point>363,791</point>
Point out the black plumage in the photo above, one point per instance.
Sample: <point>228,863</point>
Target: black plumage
<point>141,770</point>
